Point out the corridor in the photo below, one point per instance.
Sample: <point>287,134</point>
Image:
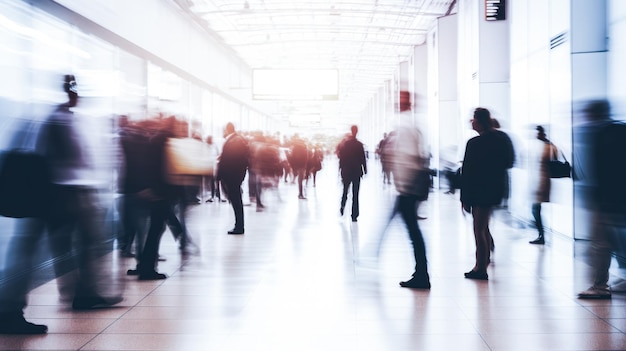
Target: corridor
<point>291,283</point>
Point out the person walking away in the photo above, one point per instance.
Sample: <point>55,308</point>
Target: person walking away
<point>352,166</point>
<point>298,159</point>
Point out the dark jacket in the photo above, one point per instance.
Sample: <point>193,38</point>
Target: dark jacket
<point>144,163</point>
<point>234,160</point>
<point>60,142</point>
<point>135,145</point>
<point>608,160</point>
<point>352,161</point>
<point>487,158</point>
<point>299,155</point>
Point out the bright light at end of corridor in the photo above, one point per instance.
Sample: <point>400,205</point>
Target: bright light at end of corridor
<point>295,84</point>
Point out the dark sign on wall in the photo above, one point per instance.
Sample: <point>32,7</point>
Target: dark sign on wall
<point>494,10</point>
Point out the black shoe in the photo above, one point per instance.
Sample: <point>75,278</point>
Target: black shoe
<point>132,272</point>
<point>341,211</point>
<point>301,197</point>
<point>477,275</point>
<point>236,231</point>
<point>95,302</point>
<point>415,283</point>
<point>151,276</point>
<point>353,219</point>
<point>538,241</point>
<point>16,324</point>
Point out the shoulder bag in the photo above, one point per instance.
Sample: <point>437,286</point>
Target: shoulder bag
<point>558,168</point>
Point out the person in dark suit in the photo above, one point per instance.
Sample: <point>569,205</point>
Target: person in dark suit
<point>231,171</point>
<point>488,156</point>
<point>353,166</point>
<point>298,158</point>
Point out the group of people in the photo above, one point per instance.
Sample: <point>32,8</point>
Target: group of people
<point>599,140</point>
<point>150,198</point>
<point>484,183</point>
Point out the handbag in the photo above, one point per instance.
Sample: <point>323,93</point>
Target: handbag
<point>558,168</point>
<point>187,159</point>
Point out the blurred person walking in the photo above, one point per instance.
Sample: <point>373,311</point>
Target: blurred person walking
<point>384,148</point>
<point>151,196</point>
<point>352,165</point>
<point>487,158</point>
<point>73,208</point>
<point>412,181</point>
<point>603,168</point>
<point>316,158</point>
<point>542,191</point>
<point>231,171</point>
<point>408,160</point>
<point>134,141</point>
<point>209,181</point>
<point>298,159</point>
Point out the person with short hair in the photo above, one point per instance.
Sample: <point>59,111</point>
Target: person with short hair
<point>352,165</point>
<point>487,158</point>
<point>231,171</point>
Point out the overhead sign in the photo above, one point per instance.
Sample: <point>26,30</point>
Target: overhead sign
<point>495,10</point>
<point>295,84</point>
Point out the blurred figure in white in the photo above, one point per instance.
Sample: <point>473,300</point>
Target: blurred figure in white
<point>73,209</point>
<point>411,178</point>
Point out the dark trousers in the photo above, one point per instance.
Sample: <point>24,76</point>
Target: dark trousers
<point>406,206</point>
<point>74,212</point>
<point>537,216</point>
<point>159,210</point>
<point>233,191</point>
<point>356,183</point>
<point>135,214</point>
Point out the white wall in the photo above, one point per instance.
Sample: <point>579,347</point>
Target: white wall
<point>189,48</point>
<point>445,126</point>
<point>617,56</point>
<point>540,95</point>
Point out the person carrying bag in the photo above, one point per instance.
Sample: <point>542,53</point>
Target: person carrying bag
<point>558,168</point>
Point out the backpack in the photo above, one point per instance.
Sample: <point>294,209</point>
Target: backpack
<point>24,184</point>
<point>25,180</point>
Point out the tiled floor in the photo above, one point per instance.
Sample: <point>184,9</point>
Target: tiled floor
<point>291,283</point>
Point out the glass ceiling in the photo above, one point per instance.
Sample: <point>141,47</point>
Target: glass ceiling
<point>364,39</point>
